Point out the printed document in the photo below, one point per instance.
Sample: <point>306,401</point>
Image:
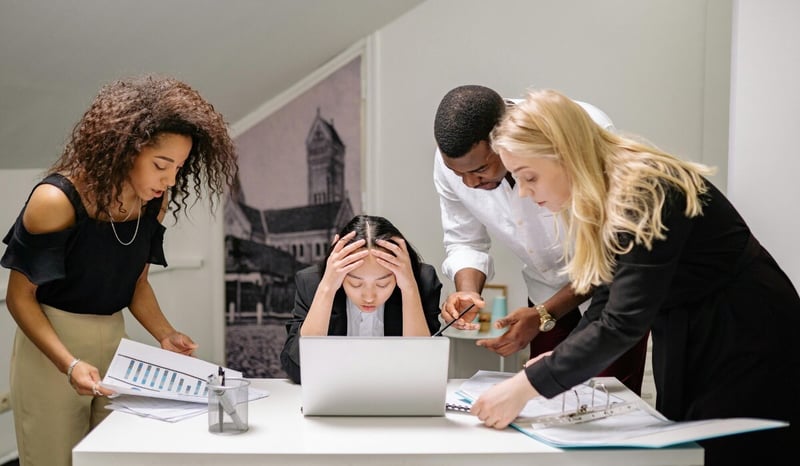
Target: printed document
<point>139,369</point>
<point>605,414</point>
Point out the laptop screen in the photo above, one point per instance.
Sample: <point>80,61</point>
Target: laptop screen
<point>374,376</point>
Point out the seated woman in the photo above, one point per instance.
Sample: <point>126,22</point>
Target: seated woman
<point>372,283</point>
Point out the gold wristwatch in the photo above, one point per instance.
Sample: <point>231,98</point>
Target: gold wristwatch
<point>546,321</point>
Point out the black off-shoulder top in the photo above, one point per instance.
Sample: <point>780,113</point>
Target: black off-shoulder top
<point>84,269</point>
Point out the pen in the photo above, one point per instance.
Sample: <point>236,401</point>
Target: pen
<point>220,394</point>
<point>226,400</point>
<point>451,322</point>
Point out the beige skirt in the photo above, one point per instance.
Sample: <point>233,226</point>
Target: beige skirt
<point>50,417</point>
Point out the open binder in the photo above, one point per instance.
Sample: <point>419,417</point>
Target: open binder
<point>602,413</point>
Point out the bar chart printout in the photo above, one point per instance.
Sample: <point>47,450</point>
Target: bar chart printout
<point>139,369</point>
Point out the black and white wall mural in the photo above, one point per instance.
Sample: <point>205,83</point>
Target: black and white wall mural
<point>299,182</point>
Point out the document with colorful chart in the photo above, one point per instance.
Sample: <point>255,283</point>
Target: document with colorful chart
<point>139,369</point>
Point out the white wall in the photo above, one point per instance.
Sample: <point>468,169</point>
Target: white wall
<point>16,186</point>
<point>764,161</point>
<point>644,63</point>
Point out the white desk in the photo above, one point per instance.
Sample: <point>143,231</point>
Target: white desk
<point>279,434</point>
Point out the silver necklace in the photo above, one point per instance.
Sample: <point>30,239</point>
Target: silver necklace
<point>126,217</point>
<point>114,229</point>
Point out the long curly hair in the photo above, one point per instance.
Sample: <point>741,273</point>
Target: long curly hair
<point>128,115</point>
<point>618,186</point>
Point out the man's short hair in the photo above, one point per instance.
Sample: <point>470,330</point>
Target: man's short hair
<point>465,117</point>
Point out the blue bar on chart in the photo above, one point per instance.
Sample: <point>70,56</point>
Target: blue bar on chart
<point>152,377</point>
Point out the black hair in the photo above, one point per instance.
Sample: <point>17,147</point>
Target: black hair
<point>465,117</point>
<point>372,228</point>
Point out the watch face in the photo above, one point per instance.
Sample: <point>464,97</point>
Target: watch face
<point>547,325</point>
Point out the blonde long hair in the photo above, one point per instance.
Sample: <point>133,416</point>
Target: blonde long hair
<point>618,185</point>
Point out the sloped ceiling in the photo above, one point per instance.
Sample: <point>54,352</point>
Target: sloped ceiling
<point>55,55</point>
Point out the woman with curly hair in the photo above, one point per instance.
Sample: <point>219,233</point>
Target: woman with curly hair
<point>666,251</point>
<point>79,252</point>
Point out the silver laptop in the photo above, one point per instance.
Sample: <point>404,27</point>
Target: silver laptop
<point>374,376</point>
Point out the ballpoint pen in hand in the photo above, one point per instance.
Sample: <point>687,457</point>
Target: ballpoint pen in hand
<point>452,321</point>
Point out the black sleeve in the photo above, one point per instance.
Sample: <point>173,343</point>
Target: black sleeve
<point>303,297</point>
<point>430,293</point>
<point>621,312</point>
<point>157,247</point>
<point>40,257</point>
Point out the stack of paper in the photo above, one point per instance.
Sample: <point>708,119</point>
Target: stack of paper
<point>157,408</point>
<point>153,382</point>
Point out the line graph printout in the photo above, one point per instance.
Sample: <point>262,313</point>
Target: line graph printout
<point>139,369</point>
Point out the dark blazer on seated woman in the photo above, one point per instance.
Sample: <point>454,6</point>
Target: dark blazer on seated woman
<point>308,279</point>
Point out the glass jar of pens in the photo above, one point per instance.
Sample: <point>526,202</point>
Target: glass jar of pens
<point>227,404</point>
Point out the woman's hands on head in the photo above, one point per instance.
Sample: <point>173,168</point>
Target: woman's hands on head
<point>398,262</point>
<point>343,259</point>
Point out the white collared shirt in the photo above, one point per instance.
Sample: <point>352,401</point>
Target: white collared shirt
<point>472,218</point>
<point>364,324</point>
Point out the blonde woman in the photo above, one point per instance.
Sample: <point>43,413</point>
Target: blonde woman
<point>664,250</point>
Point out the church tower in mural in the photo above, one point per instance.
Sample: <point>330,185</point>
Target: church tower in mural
<point>325,153</point>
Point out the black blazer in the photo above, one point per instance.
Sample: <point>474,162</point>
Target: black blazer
<point>725,321</point>
<point>307,281</point>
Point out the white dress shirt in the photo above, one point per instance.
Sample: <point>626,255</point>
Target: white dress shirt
<point>364,324</point>
<point>472,218</point>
